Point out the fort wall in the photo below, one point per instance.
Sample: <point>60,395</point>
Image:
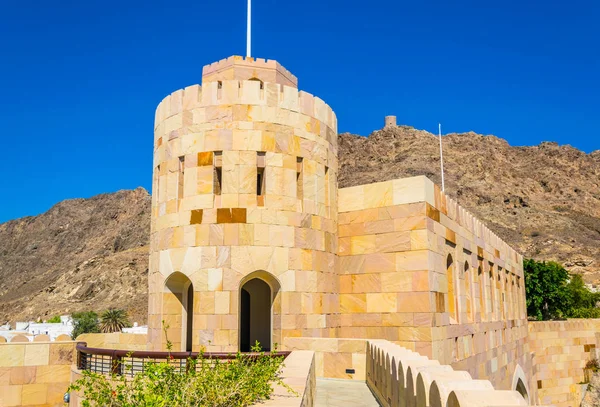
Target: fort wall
<point>35,374</point>
<point>419,270</point>
<point>115,340</point>
<point>400,377</point>
<point>561,350</point>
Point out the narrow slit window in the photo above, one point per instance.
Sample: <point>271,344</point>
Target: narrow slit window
<point>260,181</point>
<point>261,163</point>
<point>299,179</point>
<point>157,184</point>
<point>217,172</point>
<point>327,203</point>
<point>180,180</point>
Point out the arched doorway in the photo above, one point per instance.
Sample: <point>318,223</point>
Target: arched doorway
<point>255,315</point>
<point>178,311</point>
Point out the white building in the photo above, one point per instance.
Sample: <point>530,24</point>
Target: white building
<point>135,329</point>
<point>32,329</point>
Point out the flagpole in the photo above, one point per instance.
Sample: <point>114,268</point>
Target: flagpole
<point>441,155</point>
<point>249,30</point>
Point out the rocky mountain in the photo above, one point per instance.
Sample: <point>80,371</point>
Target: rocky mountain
<point>83,254</point>
<point>93,253</point>
<point>543,200</point>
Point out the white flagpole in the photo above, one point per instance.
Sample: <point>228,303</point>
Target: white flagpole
<point>441,155</point>
<point>249,30</point>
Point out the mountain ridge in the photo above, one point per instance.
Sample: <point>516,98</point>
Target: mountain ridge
<point>92,253</point>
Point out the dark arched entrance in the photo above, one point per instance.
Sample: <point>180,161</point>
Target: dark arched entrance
<point>522,390</point>
<point>255,315</point>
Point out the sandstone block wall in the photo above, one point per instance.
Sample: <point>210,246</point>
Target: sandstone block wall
<point>335,358</point>
<point>240,68</point>
<point>245,186</point>
<point>561,349</point>
<point>417,269</point>
<point>400,377</point>
<point>115,340</point>
<point>35,374</point>
<point>212,225</point>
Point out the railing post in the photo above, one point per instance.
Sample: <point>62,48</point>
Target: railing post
<point>116,363</point>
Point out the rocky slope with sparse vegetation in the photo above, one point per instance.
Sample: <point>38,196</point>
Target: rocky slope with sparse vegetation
<point>91,254</point>
<point>82,254</point>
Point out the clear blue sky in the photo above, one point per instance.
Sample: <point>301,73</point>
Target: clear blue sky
<point>80,80</point>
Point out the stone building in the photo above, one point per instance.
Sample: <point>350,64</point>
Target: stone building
<point>391,283</point>
<point>252,240</point>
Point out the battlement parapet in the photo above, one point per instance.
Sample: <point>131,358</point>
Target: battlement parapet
<point>448,213</point>
<point>245,92</point>
<point>238,67</point>
<point>396,374</point>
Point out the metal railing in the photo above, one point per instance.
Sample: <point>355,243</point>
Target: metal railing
<point>126,362</point>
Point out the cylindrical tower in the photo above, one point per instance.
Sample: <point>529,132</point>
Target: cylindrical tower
<point>390,121</point>
<point>244,212</point>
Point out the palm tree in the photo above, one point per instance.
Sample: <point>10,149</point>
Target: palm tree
<point>113,320</point>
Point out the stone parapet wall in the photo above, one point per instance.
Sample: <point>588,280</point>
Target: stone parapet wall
<point>35,374</point>
<point>561,350</point>
<point>299,375</point>
<point>335,358</point>
<point>115,340</point>
<point>419,270</point>
<point>238,67</point>
<point>400,377</point>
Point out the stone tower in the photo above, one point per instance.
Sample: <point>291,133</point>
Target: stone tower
<point>244,211</point>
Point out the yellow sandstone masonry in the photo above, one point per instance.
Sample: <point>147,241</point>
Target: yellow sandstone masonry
<point>35,374</point>
<point>252,240</point>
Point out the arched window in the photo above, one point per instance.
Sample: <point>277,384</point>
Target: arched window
<point>452,308</point>
<point>519,383</point>
<point>520,306</point>
<point>468,301</point>
<point>178,311</point>
<point>522,390</point>
<point>492,299</point>
<point>262,84</point>
<point>501,291</point>
<point>481,283</point>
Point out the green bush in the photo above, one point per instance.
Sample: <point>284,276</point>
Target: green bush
<point>553,293</point>
<point>545,286</point>
<point>54,320</point>
<point>585,313</point>
<point>243,381</point>
<point>84,323</point>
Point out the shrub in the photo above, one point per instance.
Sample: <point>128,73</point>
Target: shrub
<point>545,287</point>
<point>84,323</point>
<point>243,381</point>
<point>553,293</point>
<point>593,364</point>
<point>585,313</point>
<point>54,320</point>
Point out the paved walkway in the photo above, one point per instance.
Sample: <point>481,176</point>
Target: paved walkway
<point>344,393</point>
